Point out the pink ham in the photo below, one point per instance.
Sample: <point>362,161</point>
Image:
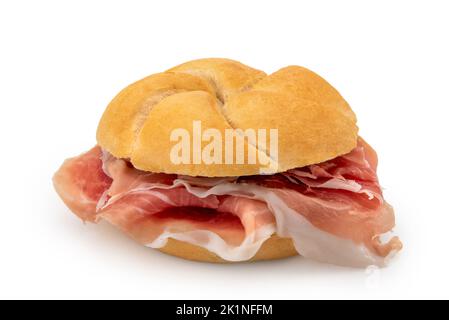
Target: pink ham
<point>143,213</point>
<point>81,182</point>
<point>340,197</point>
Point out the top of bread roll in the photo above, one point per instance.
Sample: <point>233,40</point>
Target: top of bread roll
<point>313,120</point>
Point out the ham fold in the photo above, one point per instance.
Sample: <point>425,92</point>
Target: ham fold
<point>333,211</point>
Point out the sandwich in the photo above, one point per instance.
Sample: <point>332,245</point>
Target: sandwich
<point>215,161</point>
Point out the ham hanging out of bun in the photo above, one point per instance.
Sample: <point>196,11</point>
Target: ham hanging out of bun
<point>323,201</point>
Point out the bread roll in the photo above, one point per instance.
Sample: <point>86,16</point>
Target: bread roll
<point>314,122</point>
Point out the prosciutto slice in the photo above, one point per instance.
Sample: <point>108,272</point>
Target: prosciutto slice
<point>81,182</point>
<point>334,211</point>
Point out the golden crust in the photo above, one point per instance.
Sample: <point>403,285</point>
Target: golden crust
<point>314,122</point>
<point>274,248</point>
<point>155,133</point>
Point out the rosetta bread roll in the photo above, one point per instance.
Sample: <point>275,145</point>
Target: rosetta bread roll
<point>314,122</point>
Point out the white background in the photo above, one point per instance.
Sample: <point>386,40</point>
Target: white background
<point>61,62</point>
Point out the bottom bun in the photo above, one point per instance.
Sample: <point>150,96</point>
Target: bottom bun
<point>274,248</point>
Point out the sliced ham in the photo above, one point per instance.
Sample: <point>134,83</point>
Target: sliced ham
<point>333,211</point>
<point>81,182</point>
